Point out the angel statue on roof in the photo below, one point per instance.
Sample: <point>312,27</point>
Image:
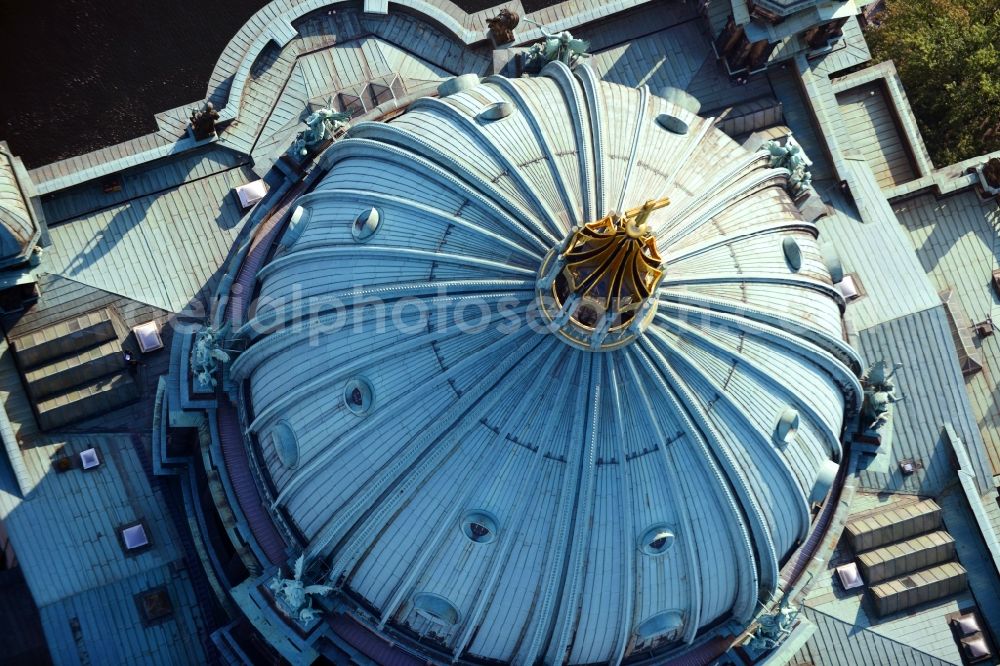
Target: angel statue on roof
<point>293,596</point>
<point>789,155</point>
<point>773,628</point>
<point>321,125</point>
<point>880,393</point>
<point>561,46</point>
<point>207,353</point>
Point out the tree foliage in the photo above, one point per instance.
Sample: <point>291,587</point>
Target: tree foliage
<point>947,53</point>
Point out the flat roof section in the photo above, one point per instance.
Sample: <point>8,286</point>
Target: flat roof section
<point>77,568</point>
<point>870,121</point>
<point>956,241</point>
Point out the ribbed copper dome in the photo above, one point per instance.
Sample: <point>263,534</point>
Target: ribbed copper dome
<point>481,483</point>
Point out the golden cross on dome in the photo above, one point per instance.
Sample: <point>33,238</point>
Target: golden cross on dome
<point>635,224</point>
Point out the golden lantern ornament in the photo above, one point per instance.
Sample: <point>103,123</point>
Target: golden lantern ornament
<point>597,293</point>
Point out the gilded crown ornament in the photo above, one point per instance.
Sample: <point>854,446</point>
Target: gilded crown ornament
<point>597,289</point>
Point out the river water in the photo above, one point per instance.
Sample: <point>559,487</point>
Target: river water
<point>78,75</point>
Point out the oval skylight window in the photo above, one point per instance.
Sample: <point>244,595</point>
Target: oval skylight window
<point>656,540</point>
<point>435,608</point>
<point>788,426</point>
<point>359,395</point>
<point>286,444</point>
<point>297,223</point>
<point>479,527</point>
<point>366,224</point>
<point>496,111</point>
<point>793,253</point>
<point>660,625</point>
<point>686,107</point>
<point>672,123</point>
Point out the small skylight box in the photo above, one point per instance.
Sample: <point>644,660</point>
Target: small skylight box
<point>89,459</point>
<point>251,193</point>
<point>148,337</point>
<point>966,625</point>
<point>135,537</point>
<point>849,575</point>
<point>848,288</point>
<point>975,650</point>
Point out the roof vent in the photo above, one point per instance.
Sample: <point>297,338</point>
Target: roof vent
<point>359,395</point>
<point>832,261</point>
<point>681,98</point>
<point>657,540</point>
<point>154,605</point>
<point>435,608</point>
<point>793,253</point>
<point>366,224</point>
<point>89,459</point>
<point>479,527</point>
<point>286,444</point>
<point>496,111</point>
<point>970,357</point>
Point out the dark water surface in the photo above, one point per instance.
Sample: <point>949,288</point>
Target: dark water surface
<point>78,75</point>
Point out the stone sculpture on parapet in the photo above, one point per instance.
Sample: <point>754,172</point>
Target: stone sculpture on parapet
<point>206,355</point>
<point>203,122</point>
<point>772,629</point>
<point>501,27</point>
<point>880,392</point>
<point>322,125</point>
<point>790,156</point>
<point>294,597</point>
<point>561,46</point>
